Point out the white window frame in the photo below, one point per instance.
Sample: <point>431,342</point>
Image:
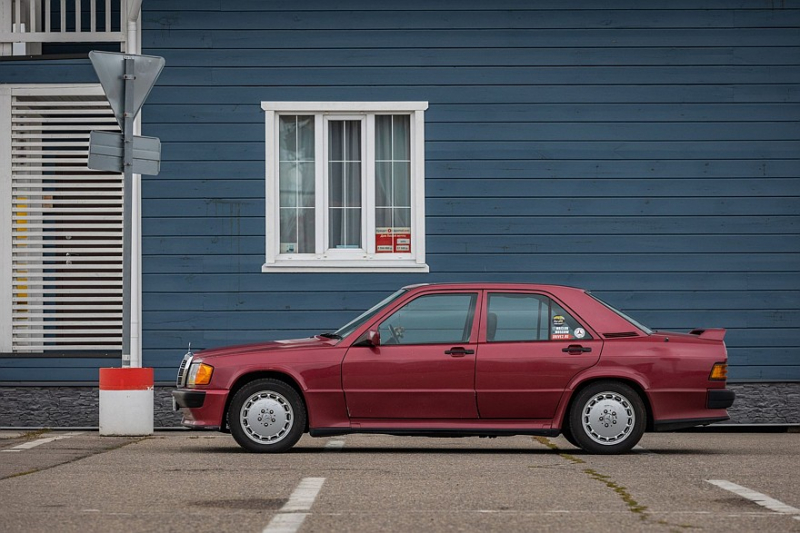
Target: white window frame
<point>356,260</point>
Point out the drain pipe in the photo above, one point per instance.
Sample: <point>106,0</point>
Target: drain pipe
<point>132,45</point>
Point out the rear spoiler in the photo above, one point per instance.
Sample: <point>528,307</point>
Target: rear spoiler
<point>713,334</point>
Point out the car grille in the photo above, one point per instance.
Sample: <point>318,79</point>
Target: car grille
<point>183,371</point>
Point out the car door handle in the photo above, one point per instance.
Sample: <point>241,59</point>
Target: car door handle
<point>576,349</point>
<point>459,352</point>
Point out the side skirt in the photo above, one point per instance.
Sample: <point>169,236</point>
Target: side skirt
<point>334,432</point>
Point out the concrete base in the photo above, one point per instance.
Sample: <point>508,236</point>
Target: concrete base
<point>126,412</point>
<point>126,401</point>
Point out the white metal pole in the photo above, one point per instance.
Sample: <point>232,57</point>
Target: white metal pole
<point>133,46</point>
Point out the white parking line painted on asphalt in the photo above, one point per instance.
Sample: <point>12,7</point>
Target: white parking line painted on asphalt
<point>304,495</point>
<point>285,523</point>
<point>335,444</point>
<point>38,442</point>
<point>756,497</point>
<point>291,516</point>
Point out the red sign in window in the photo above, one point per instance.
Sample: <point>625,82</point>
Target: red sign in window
<point>393,240</point>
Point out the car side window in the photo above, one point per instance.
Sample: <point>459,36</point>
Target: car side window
<point>517,317</point>
<point>431,319</point>
<point>564,327</point>
<point>525,317</point>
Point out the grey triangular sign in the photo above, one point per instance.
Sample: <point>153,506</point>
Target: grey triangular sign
<point>110,67</point>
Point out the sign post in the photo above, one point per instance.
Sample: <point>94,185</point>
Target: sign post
<point>126,394</point>
<point>127,80</point>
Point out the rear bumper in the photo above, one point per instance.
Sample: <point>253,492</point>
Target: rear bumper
<point>201,408</point>
<point>673,425</point>
<point>720,398</point>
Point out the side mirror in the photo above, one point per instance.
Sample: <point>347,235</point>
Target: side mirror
<point>374,338</point>
<point>370,338</point>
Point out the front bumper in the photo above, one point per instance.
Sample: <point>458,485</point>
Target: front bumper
<point>188,399</point>
<point>720,398</point>
<point>201,408</point>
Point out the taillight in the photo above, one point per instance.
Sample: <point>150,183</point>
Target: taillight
<point>719,372</point>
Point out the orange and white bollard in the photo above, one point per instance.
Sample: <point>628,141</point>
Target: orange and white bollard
<point>126,401</point>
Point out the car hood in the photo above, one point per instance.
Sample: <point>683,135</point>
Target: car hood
<point>272,346</point>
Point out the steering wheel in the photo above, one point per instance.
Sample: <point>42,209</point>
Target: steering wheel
<point>395,335</point>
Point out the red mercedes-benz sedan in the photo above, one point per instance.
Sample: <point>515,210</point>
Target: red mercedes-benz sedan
<point>465,359</point>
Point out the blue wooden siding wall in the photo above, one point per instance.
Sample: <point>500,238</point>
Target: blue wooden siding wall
<point>650,154</point>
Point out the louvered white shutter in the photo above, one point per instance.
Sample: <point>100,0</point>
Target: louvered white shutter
<point>66,234</point>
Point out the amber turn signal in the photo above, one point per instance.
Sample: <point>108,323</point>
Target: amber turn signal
<point>719,372</point>
<point>200,374</point>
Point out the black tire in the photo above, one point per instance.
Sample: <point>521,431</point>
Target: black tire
<point>566,432</point>
<point>267,416</point>
<point>607,417</point>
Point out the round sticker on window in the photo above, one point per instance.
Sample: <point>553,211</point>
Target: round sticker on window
<point>579,333</point>
<point>558,320</point>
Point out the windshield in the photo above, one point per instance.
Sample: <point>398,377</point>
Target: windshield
<point>623,315</point>
<point>354,324</point>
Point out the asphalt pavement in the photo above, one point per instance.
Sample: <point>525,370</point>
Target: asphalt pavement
<point>199,481</point>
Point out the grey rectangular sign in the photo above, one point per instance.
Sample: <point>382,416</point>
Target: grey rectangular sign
<point>106,153</point>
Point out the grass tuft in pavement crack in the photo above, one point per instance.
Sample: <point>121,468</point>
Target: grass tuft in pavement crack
<point>544,441</point>
<point>633,505</point>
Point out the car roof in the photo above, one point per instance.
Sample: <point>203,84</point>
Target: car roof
<point>478,285</point>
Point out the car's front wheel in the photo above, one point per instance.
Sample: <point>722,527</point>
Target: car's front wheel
<point>607,417</point>
<point>267,416</point>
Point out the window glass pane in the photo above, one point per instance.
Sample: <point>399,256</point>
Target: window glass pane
<point>393,184</point>
<point>401,138</point>
<point>288,230</point>
<point>383,137</point>
<point>517,317</point>
<point>352,146</point>
<point>564,327</point>
<point>305,194</point>
<point>383,184</point>
<point>435,319</point>
<point>383,217</point>
<point>401,184</point>
<point>402,219</point>
<point>336,184</point>
<point>344,184</point>
<point>297,230</point>
<point>336,140</point>
<point>296,137</point>
<point>289,184</point>
<point>352,188</point>
<point>305,138</point>
<point>296,183</point>
<point>344,228</point>
<point>288,137</point>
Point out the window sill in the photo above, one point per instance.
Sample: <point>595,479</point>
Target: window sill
<point>345,266</point>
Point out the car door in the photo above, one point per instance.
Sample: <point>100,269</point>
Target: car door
<point>424,367</point>
<point>531,348</point>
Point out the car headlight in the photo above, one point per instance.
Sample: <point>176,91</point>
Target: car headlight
<point>199,374</point>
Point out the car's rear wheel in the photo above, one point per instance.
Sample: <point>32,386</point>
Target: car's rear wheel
<point>607,417</point>
<point>267,416</point>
